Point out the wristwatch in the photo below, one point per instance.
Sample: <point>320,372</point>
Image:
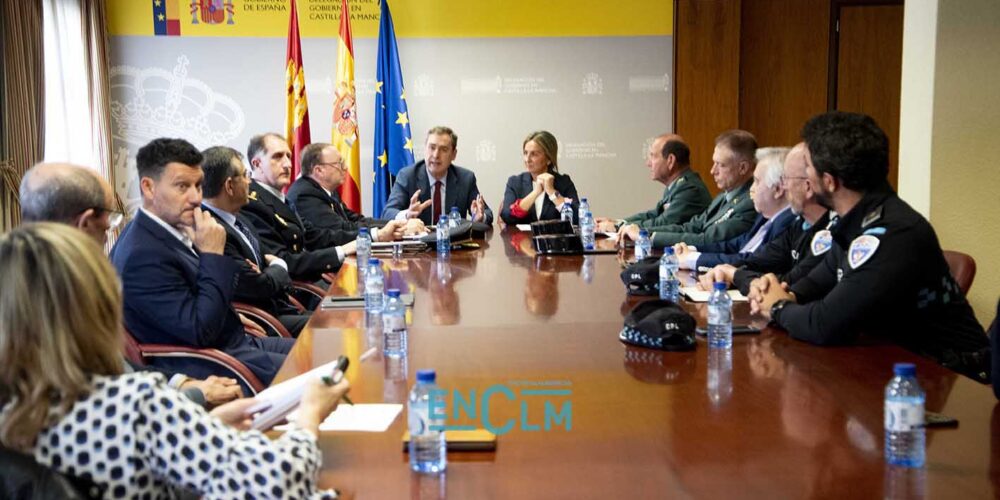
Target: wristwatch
<point>777,307</point>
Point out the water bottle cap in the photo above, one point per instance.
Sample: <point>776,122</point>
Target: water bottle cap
<point>362,229</point>
<point>720,285</point>
<point>426,375</point>
<point>393,292</point>
<point>443,218</point>
<point>589,214</point>
<point>904,369</point>
<point>643,232</point>
<point>454,209</point>
<point>584,199</point>
<point>373,262</point>
<point>669,250</point>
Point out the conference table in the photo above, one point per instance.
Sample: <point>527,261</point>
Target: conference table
<point>771,417</point>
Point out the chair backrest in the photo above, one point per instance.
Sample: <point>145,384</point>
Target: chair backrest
<point>132,351</point>
<point>963,269</point>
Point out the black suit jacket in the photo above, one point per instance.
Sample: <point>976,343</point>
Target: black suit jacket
<point>309,250</point>
<point>460,190</point>
<point>520,185</point>
<point>267,289</point>
<point>173,296</point>
<point>326,210</point>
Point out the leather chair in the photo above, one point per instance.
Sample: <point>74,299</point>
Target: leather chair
<point>139,353</point>
<point>24,478</point>
<point>963,269</point>
<point>271,325</point>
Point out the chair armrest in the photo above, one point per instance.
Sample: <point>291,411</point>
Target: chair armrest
<point>309,288</point>
<point>262,318</point>
<point>211,355</point>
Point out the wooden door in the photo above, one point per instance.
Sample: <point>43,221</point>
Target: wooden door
<point>869,65</point>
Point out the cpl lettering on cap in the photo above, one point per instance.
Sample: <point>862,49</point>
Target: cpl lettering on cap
<point>821,242</point>
<point>862,249</point>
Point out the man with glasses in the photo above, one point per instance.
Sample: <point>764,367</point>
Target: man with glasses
<point>793,254</point>
<point>70,194</point>
<point>315,197</point>
<point>731,212</point>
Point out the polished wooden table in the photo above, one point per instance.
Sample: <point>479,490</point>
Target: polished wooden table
<point>771,418</point>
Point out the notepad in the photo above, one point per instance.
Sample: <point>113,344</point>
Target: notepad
<point>356,418</point>
<point>695,295</point>
<point>277,401</point>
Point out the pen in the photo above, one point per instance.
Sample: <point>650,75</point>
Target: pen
<point>338,375</point>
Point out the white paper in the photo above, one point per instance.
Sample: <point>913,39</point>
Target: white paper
<point>276,401</point>
<point>356,418</point>
<point>695,295</point>
<point>524,227</point>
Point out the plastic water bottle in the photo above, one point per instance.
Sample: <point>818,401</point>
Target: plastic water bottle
<point>587,231</point>
<point>374,286</point>
<point>643,247</point>
<point>427,447</point>
<point>364,251</point>
<point>443,237</point>
<point>669,284</point>
<point>454,217</point>
<point>719,379</point>
<point>394,325</point>
<point>904,418</point>
<point>583,209</point>
<point>566,212</point>
<point>589,263</point>
<point>720,317</point>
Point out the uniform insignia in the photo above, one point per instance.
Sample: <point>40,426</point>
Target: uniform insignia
<point>872,216</point>
<point>253,195</point>
<point>725,216</point>
<point>875,230</point>
<point>282,221</point>
<point>840,274</point>
<point>821,242</point>
<point>680,180</point>
<point>862,249</point>
<point>795,255</point>
<point>666,206</point>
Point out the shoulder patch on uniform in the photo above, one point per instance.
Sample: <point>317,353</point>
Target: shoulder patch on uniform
<point>821,242</point>
<point>862,249</point>
<point>872,216</point>
<point>875,230</point>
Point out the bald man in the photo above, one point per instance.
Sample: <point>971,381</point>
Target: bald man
<point>685,195</point>
<point>79,197</point>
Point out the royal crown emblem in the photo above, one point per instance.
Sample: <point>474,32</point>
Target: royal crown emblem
<point>212,11</point>
<point>345,114</point>
<point>592,84</point>
<point>486,151</point>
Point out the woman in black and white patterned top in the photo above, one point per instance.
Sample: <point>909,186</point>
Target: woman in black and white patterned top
<point>64,399</point>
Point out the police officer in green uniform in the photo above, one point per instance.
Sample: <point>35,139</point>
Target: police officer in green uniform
<point>799,248</point>
<point>309,251</point>
<point>731,212</point>
<point>685,195</point>
<point>887,276</point>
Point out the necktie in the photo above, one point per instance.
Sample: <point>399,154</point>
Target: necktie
<point>437,203</point>
<point>254,244</point>
<point>754,243</point>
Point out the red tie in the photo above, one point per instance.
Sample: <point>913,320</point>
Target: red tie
<point>437,203</point>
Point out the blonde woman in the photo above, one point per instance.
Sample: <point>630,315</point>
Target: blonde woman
<point>539,192</point>
<point>65,401</point>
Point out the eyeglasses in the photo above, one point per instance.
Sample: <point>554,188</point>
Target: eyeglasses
<point>789,177</point>
<point>115,217</point>
<point>339,164</point>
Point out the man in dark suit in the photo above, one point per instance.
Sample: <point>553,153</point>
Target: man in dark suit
<point>774,217</point>
<point>177,284</point>
<point>309,251</point>
<point>263,278</point>
<point>315,198</point>
<point>433,185</point>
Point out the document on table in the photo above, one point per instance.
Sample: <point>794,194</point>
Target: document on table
<point>524,227</point>
<point>695,295</point>
<point>356,418</point>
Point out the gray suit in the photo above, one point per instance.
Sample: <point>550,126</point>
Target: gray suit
<point>460,191</point>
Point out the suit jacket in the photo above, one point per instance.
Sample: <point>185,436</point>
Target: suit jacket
<point>792,255</point>
<point>682,199</point>
<point>309,251</point>
<point>173,296</point>
<point>460,191</point>
<point>728,252</point>
<point>267,289</point>
<point>326,210</point>
<point>723,219</point>
<point>520,185</point>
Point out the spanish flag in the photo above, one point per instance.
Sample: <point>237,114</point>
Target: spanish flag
<point>297,113</point>
<point>166,18</point>
<point>345,115</point>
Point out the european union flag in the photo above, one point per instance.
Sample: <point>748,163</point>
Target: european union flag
<point>393,143</point>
